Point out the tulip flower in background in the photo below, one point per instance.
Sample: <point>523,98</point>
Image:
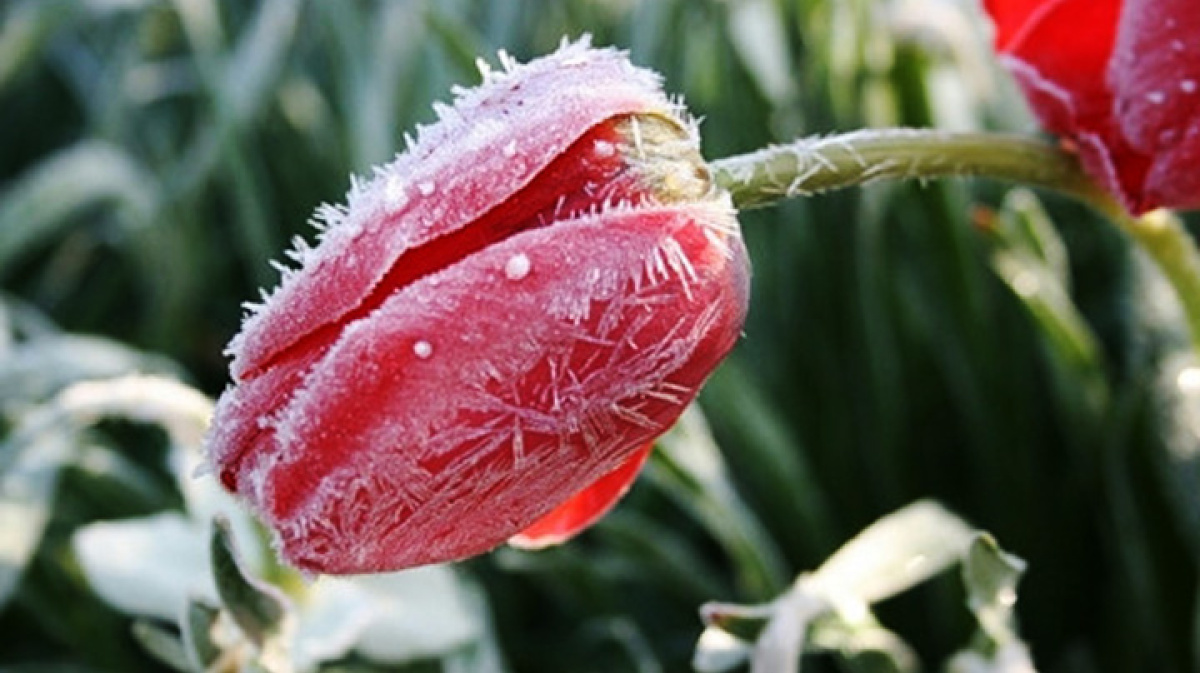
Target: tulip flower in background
<point>493,331</point>
<point>1120,81</point>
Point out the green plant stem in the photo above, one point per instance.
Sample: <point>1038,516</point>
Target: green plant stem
<point>816,165</point>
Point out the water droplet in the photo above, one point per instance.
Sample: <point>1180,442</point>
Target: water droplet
<point>427,188</point>
<point>1177,45</point>
<point>1188,86</point>
<point>1156,97</point>
<point>422,349</point>
<point>517,266</point>
<point>510,150</point>
<point>603,148</point>
<point>394,193</point>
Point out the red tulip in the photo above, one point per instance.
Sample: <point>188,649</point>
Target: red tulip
<point>1121,81</point>
<point>493,331</point>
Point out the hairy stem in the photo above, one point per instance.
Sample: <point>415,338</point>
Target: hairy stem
<point>815,165</point>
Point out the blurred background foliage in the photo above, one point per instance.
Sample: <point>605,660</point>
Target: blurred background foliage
<point>1005,353</point>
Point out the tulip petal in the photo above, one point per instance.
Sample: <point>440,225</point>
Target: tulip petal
<point>476,400</point>
<point>585,507</point>
<point>1120,81</point>
<point>1059,55</point>
<point>1010,18</point>
<point>505,316</point>
<point>450,177</point>
<point>1155,76</point>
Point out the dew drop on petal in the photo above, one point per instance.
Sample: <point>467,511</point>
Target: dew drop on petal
<point>1156,97</point>
<point>427,188</point>
<point>422,349</point>
<point>1188,86</point>
<point>510,150</point>
<point>603,148</point>
<point>517,266</point>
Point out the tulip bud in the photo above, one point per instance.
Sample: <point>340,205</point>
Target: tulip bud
<point>493,331</point>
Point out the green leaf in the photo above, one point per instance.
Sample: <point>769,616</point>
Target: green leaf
<point>162,645</point>
<point>756,33</point>
<point>690,468</point>
<point>1024,222</point>
<point>25,31</point>
<point>864,645</point>
<point>718,651</point>
<point>896,552</point>
<point>258,609</point>
<point>1030,258</point>
<point>45,199</point>
<point>29,473</point>
<point>197,625</point>
<point>990,576</point>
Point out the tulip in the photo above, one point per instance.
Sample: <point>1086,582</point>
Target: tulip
<point>492,331</point>
<point>1121,82</point>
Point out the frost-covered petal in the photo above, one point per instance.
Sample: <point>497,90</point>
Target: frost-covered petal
<point>1119,81</point>
<point>521,331</point>
<point>1155,76</point>
<point>585,507</point>
<point>521,399</point>
<point>494,139</point>
<point>1058,51</point>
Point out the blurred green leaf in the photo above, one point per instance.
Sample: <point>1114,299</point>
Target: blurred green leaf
<point>864,646</point>
<point>690,468</point>
<point>25,29</point>
<point>50,196</point>
<point>899,550</point>
<point>259,610</point>
<point>756,31</point>
<point>990,576</point>
<point>197,626</point>
<point>163,645</point>
<point>29,472</point>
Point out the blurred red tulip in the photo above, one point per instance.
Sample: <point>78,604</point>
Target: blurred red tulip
<point>1121,81</point>
<point>493,331</point>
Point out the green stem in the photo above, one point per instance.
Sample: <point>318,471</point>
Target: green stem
<point>815,165</point>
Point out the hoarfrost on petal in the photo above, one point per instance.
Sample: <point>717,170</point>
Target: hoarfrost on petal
<point>394,193</point>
